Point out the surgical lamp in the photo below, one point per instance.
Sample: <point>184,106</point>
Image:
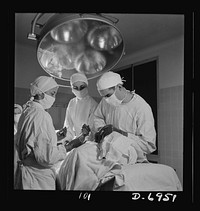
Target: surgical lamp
<point>69,43</point>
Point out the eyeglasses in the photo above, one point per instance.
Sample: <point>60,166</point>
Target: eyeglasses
<point>79,88</point>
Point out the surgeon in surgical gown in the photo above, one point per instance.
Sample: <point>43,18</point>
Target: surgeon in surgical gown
<point>36,139</point>
<point>127,112</point>
<point>80,109</point>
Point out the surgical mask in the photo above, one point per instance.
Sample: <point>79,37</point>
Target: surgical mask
<point>80,94</point>
<point>112,100</point>
<point>47,101</point>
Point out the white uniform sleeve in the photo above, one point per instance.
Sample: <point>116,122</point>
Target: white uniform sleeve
<point>93,107</point>
<point>46,151</point>
<point>145,135</point>
<point>99,119</point>
<point>91,116</point>
<point>68,123</point>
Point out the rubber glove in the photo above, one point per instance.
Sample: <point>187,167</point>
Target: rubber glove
<point>79,140</point>
<point>107,130</point>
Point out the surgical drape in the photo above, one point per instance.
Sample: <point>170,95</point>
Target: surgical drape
<point>81,170</point>
<point>37,148</point>
<point>135,118</point>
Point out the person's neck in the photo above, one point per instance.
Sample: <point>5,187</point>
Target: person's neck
<point>128,97</point>
<point>83,98</point>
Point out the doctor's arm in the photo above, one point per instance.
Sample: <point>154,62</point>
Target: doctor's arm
<point>46,151</point>
<point>68,123</point>
<point>145,135</point>
<point>99,118</point>
<point>101,127</point>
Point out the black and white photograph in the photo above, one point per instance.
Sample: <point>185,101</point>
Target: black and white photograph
<point>99,106</point>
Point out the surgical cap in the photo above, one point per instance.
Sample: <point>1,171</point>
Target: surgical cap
<point>78,77</point>
<point>18,106</point>
<point>42,84</point>
<point>109,79</point>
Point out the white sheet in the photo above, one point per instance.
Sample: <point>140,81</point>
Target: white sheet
<point>150,177</point>
<point>119,149</point>
<point>82,170</point>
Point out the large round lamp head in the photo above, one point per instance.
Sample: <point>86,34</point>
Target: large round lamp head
<point>71,43</point>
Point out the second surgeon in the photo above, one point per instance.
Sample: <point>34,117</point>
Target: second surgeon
<point>79,112</point>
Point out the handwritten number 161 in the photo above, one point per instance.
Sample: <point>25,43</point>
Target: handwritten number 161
<point>84,196</point>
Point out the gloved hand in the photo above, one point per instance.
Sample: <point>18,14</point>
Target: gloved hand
<point>103,132</point>
<point>74,143</point>
<point>62,133</point>
<point>85,130</point>
<point>79,140</point>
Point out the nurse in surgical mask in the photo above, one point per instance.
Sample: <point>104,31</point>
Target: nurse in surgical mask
<point>36,141</point>
<point>80,108</point>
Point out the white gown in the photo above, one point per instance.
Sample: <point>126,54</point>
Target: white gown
<point>37,149</point>
<point>135,118</point>
<point>79,112</point>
